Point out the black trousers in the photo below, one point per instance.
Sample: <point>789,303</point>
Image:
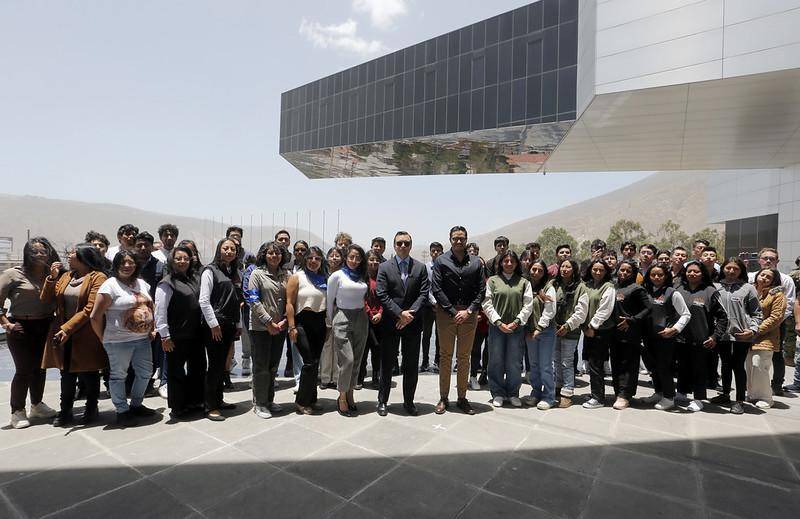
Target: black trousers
<point>407,341</point>
<point>733,355</point>
<point>27,348</point>
<point>778,364</point>
<point>186,372</point>
<point>693,361</point>
<point>478,361</point>
<point>90,381</point>
<point>595,352</point>
<point>428,331</point>
<point>310,340</point>
<point>217,353</point>
<point>373,347</point>
<point>659,354</point>
<point>712,370</point>
<point>625,368</point>
<point>266,356</point>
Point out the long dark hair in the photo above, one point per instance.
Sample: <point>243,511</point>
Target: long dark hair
<point>361,270</point>
<point>235,265</point>
<point>27,253</point>
<point>508,253</point>
<point>705,280</point>
<point>117,262</point>
<point>323,264</point>
<point>190,272</point>
<point>192,246</point>
<point>545,278</point>
<point>739,263</point>
<point>576,274</point>
<point>90,256</point>
<point>261,256</point>
<point>648,284</point>
<point>587,276</point>
<point>372,254</point>
<point>776,277</point>
<point>634,269</point>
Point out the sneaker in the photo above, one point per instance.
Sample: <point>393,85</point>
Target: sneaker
<point>515,401</point>
<point>63,419</point>
<point>140,410</point>
<point>665,404</point>
<point>262,412</point>
<point>653,399</point>
<point>357,387</point>
<point>530,400</point>
<point>593,403</point>
<point>695,406</point>
<point>763,404</point>
<point>643,370</point>
<point>722,398</point>
<point>125,419</point>
<point>245,367</point>
<point>543,405</point>
<point>483,380</point>
<point>275,408</point>
<point>162,391</point>
<point>215,416</point>
<point>19,420</point>
<point>777,391</point>
<point>473,384</point>
<point>792,388</point>
<point>564,402</point>
<point>737,408</point>
<point>42,410</point>
<point>621,403</point>
<point>498,401</point>
<point>434,368</point>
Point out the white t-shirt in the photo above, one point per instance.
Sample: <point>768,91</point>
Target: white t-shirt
<point>126,319</point>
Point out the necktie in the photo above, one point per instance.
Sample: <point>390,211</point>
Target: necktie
<point>404,271</point>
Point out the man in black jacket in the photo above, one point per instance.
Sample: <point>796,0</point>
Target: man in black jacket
<point>402,287</point>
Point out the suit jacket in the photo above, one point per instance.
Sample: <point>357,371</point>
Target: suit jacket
<point>395,297</point>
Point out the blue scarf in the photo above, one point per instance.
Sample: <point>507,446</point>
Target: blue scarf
<point>352,275</point>
<point>318,280</point>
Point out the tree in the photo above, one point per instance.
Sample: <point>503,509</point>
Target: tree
<point>715,238</point>
<point>584,251</point>
<point>670,234</point>
<point>552,237</point>
<point>626,230</point>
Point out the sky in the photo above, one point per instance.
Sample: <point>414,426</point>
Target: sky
<point>174,107</point>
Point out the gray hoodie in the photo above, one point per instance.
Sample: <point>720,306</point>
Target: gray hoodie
<point>740,301</point>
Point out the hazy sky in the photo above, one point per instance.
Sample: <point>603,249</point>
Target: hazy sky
<point>173,106</point>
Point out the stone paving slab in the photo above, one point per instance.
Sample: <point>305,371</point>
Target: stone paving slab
<point>500,463</point>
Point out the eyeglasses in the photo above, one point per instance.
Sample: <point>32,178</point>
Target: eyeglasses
<point>402,243</point>
<point>769,258</point>
<point>300,251</point>
<point>458,238</point>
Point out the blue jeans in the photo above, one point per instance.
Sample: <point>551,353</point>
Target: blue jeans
<point>297,364</point>
<point>121,355</point>
<point>505,362</point>
<point>540,357</point>
<point>563,357</point>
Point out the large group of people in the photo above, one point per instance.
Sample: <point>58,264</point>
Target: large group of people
<point>148,317</point>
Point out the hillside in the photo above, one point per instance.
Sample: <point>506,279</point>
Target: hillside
<point>679,196</point>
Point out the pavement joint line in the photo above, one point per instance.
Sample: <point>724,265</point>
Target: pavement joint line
<point>10,504</point>
<point>596,478</point>
<point>96,496</point>
<point>783,454</point>
<point>29,442</point>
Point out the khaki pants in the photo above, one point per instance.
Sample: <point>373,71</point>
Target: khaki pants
<point>757,366</point>
<point>458,337</point>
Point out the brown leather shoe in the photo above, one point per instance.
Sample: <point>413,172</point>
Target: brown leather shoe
<point>564,402</point>
<point>441,407</point>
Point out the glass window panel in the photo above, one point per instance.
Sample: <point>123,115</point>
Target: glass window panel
<point>452,76</point>
<point>567,89</point>
<point>371,71</point>
<point>441,115</point>
<point>329,136</point>
<point>566,116</point>
<point>397,127</point>
<point>430,51</point>
<point>441,78</point>
<point>466,38</point>
<point>380,94</point>
<point>380,68</point>
<point>504,103</point>
<point>408,88</point>
<point>419,119</point>
<point>337,83</point>
<point>568,10</point>
<point>352,138</point>
<point>337,135</point>
<point>476,116</point>
<point>370,99</point>
<point>388,125</point>
<point>491,65</point>
<point>550,12</point>
<point>398,90</point>
<point>768,231</point>
<point>452,114</point>
<point>550,49</point>
<point>568,44</point>
<point>549,93</point>
<point>390,65</point>
<point>315,140</point>
<point>346,80</point>
<point>506,55</point>
<point>419,55</point>
<point>430,115</point>
<point>454,44</point>
<point>506,26</point>
<point>519,58</point>
<point>379,127</point>
<point>408,121</point>
<point>534,56</point>
<point>465,74</point>
<point>441,47</point>
<point>464,108</point>
<point>490,107</point>
<point>478,35</point>
<point>749,233</point>
<point>492,31</point>
<point>520,21</point>
<point>362,130</point>
<point>362,102</point>
<point>419,85</point>
<point>518,100</point>
<point>430,83</point>
<point>345,107</point>
<point>478,71</point>
<point>388,95</point>
<point>337,108</point>
<point>409,58</point>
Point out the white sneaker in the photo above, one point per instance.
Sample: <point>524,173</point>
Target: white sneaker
<point>19,420</point>
<point>274,408</point>
<point>245,367</point>
<point>763,404</point>
<point>653,399</point>
<point>592,403</point>
<point>498,401</point>
<point>156,377</point>
<point>162,391</point>
<point>665,404</point>
<point>473,384</point>
<point>262,412</point>
<point>621,403</point>
<point>695,406</point>
<point>543,405</point>
<point>530,400</point>
<point>42,410</point>
<point>515,401</point>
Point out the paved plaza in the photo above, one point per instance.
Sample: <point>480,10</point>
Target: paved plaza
<point>500,463</point>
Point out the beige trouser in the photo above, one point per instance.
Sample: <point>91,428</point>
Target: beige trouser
<point>458,337</point>
<point>758,366</point>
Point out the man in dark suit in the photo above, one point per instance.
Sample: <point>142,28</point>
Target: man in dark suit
<point>402,287</point>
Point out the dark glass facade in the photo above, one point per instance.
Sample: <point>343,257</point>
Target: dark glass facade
<point>517,68</point>
<point>749,235</point>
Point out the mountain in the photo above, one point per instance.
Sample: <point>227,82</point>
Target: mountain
<point>679,196</point>
<point>65,223</point>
